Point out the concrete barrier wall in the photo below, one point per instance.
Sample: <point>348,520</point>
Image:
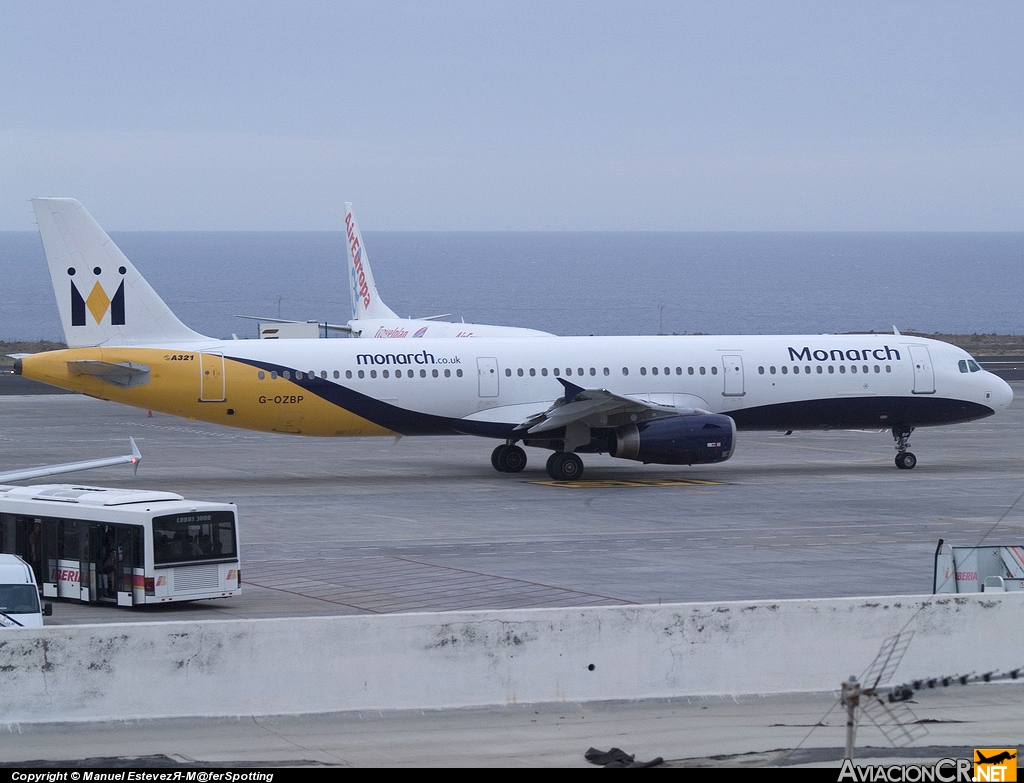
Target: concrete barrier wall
<point>325,664</point>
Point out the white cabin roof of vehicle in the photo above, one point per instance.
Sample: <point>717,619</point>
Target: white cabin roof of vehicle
<point>88,496</point>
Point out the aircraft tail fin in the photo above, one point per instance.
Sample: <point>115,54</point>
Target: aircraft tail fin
<point>366,301</point>
<point>101,296</point>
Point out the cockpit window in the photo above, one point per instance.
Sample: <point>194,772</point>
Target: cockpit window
<point>963,365</point>
<point>973,365</point>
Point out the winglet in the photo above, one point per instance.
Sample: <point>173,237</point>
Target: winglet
<point>571,389</point>
<point>366,302</point>
<point>136,456</point>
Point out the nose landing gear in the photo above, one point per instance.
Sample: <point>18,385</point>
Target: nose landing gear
<point>904,459</point>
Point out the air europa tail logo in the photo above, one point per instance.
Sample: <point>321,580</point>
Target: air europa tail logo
<point>358,273</point>
<point>98,301</point>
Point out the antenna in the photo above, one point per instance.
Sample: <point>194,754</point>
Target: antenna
<point>899,724</point>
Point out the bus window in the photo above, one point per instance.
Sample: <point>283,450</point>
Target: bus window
<point>179,538</point>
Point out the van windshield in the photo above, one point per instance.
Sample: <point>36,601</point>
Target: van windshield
<point>19,599</point>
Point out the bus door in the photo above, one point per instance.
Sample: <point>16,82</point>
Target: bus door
<point>117,549</point>
<point>89,538</point>
<point>129,574</point>
<point>21,536</point>
<point>48,562</point>
<point>103,563</point>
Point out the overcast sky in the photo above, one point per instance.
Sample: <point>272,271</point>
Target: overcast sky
<point>516,116</point>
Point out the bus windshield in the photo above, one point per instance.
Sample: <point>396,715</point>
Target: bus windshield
<point>19,599</point>
<point>197,536</point>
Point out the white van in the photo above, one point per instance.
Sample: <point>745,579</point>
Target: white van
<point>19,595</point>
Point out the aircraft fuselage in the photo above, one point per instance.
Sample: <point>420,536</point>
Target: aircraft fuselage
<point>341,387</point>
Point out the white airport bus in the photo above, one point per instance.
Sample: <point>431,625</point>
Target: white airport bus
<point>122,546</point>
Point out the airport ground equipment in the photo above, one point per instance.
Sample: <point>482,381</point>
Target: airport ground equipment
<point>122,546</point>
<point>979,569</point>
<point>19,595</point>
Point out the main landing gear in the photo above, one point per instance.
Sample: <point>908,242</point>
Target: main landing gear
<point>904,459</point>
<point>508,458</point>
<point>564,466</point>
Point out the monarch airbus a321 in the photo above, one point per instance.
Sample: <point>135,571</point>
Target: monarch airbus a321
<point>666,400</point>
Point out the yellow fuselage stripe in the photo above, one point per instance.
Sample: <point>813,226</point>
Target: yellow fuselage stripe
<point>191,385</point>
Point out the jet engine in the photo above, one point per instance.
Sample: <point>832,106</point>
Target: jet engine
<point>677,440</point>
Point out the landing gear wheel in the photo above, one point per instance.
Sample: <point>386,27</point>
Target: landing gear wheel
<point>498,458</point>
<point>550,466</point>
<point>564,466</point>
<point>514,459</point>
<point>905,461</point>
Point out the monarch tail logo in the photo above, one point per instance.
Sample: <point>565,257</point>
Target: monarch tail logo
<point>97,303</point>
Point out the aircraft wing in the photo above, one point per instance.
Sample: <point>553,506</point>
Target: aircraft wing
<point>70,467</point>
<point>597,408</point>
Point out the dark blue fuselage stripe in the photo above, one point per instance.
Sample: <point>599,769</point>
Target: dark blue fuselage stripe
<point>400,420</point>
<point>834,413</point>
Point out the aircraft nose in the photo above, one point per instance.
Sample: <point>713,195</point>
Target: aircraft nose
<point>1002,393</point>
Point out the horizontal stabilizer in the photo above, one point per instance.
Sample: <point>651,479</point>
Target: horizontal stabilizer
<point>122,374</point>
<point>321,324</point>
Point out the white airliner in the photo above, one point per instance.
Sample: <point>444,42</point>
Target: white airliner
<point>667,400</point>
<point>372,318</point>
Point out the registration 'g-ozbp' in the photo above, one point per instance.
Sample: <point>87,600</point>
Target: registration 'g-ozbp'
<point>668,400</point>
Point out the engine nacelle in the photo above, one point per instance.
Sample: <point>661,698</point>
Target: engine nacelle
<point>679,440</point>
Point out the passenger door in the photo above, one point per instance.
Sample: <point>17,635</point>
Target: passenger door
<point>211,377</point>
<point>487,375</point>
<point>924,374</point>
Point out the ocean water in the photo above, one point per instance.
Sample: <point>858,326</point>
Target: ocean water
<point>567,283</point>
